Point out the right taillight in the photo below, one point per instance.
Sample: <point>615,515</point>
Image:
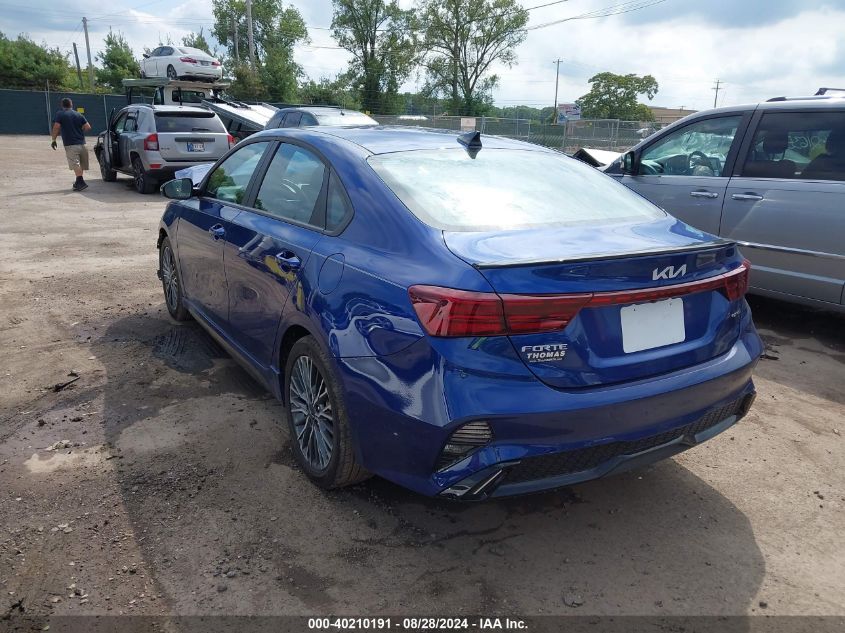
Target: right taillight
<point>449,312</point>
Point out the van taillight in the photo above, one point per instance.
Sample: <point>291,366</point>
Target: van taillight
<point>231,140</point>
<point>151,142</point>
<point>451,312</point>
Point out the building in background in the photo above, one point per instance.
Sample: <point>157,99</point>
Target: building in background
<point>665,116</point>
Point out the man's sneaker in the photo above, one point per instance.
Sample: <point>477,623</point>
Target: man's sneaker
<point>80,186</point>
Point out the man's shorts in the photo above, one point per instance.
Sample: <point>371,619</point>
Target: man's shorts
<point>77,156</point>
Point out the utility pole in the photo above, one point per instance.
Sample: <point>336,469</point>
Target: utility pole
<point>78,69</point>
<point>716,88</point>
<point>88,48</point>
<point>250,40</point>
<point>237,49</point>
<point>557,77</point>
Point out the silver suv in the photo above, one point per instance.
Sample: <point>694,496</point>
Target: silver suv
<point>770,176</point>
<point>150,143</point>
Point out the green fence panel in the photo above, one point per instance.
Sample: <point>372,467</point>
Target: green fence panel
<point>31,112</point>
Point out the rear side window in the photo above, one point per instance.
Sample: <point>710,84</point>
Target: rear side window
<point>188,122</point>
<point>337,206</point>
<point>292,119</point>
<point>808,145</point>
<point>292,186</point>
<point>228,182</point>
<point>506,189</point>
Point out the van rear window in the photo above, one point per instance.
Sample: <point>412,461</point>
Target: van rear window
<point>189,122</point>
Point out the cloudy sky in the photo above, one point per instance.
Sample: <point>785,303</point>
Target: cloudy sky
<point>757,48</point>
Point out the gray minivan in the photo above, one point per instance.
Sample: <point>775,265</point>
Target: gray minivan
<point>769,176</point>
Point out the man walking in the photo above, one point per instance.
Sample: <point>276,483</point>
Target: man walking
<point>72,127</point>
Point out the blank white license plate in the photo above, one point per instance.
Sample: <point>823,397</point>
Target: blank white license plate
<point>196,147</point>
<point>649,325</point>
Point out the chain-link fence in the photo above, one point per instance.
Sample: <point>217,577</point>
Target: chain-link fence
<point>608,134</point>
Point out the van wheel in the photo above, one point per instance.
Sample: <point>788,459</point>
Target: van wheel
<point>109,175</point>
<point>171,73</point>
<point>143,182</point>
<point>317,418</point>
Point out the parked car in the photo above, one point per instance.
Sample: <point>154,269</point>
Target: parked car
<point>150,143</point>
<point>305,116</point>
<point>770,176</point>
<point>466,317</point>
<point>181,62</point>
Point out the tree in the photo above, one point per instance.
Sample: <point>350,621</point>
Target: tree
<point>614,96</point>
<point>118,62</point>
<point>25,64</point>
<point>382,40</point>
<point>197,40</point>
<point>463,39</point>
<point>276,30</point>
<point>330,92</point>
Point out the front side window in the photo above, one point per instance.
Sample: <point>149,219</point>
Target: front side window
<point>698,149</point>
<point>798,145</point>
<point>503,189</point>
<point>292,186</point>
<point>131,123</point>
<point>229,181</point>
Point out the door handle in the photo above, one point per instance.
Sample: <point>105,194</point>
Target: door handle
<point>288,261</point>
<point>217,231</point>
<point>746,196</point>
<point>703,194</point>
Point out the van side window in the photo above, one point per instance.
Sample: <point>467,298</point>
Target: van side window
<point>697,149</point>
<point>807,145</point>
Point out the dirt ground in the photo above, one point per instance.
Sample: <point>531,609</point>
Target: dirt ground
<point>172,491</point>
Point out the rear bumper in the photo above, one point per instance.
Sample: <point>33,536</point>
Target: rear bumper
<point>404,408</point>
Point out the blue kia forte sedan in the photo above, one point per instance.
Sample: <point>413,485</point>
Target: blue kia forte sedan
<point>466,316</point>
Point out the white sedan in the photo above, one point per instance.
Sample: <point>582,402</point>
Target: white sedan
<point>181,62</point>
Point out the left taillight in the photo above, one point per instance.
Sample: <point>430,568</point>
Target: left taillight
<point>151,142</point>
<point>188,60</point>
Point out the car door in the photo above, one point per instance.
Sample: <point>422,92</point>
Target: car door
<point>271,243</point>
<point>786,203</point>
<point>162,60</point>
<point>127,136</point>
<point>203,229</point>
<point>112,144</point>
<point>686,170</point>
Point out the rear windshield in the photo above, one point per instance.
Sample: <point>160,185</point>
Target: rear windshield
<point>347,118</point>
<point>188,122</point>
<point>506,189</point>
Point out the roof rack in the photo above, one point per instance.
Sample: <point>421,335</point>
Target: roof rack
<point>821,93</point>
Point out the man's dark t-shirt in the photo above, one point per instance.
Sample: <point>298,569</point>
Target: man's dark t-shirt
<point>71,122</point>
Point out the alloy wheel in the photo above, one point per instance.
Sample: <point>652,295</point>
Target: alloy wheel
<point>311,413</point>
<point>169,279</point>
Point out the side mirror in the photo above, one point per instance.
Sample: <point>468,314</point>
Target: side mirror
<point>629,163</point>
<point>145,55</point>
<point>178,189</point>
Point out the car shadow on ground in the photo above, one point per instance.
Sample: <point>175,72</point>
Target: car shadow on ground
<point>230,524</point>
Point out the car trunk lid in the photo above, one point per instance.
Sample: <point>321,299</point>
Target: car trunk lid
<point>588,306</point>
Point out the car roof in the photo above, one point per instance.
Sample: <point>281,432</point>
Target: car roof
<point>382,139</point>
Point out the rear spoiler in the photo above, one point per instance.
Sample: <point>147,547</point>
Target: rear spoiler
<point>714,244</point>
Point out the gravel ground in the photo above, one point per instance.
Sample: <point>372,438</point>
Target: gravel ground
<point>159,481</point>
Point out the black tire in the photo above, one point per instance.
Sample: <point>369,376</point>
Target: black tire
<point>143,182</point>
<point>341,469</point>
<point>171,282</point>
<point>109,175</point>
<point>171,73</point>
